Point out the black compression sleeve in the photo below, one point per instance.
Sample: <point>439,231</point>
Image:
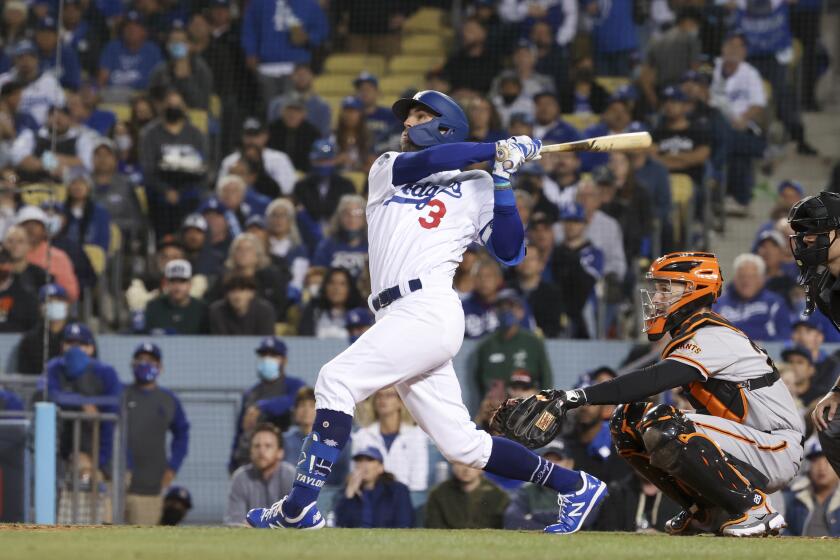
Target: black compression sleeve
<point>640,384</point>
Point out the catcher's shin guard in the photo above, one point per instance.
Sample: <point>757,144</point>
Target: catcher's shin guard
<point>677,448</point>
<point>630,446</point>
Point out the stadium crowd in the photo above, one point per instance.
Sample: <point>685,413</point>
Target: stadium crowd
<point>191,140</point>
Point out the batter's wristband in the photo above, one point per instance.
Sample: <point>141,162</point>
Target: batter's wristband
<point>504,197</point>
<point>501,183</point>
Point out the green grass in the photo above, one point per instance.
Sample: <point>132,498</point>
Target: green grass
<point>187,543</point>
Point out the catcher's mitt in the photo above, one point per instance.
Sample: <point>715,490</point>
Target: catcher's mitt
<point>534,422</point>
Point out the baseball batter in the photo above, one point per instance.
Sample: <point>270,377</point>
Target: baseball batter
<point>422,213</point>
<point>746,436</point>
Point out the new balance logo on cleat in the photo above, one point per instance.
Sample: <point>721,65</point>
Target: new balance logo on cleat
<point>576,510</point>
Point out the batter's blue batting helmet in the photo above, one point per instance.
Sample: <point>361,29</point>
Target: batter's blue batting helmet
<point>449,125</point>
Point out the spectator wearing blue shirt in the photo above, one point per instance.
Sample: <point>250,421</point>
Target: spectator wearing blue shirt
<point>152,412</point>
<point>576,266</point>
<point>270,400</point>
<point>549,125</point>
<point>372,497</point>
<point>46,40</point>
<point>765,26</point>
<point>9,401</point>
<point>614,36</point>
<point>812,504</point>
<point>77,381</point>
<point>85,222</point>
<point>750,306</point>
<point>126,63</point>
<point>480,307</point>
<point>347,244</point>
<point>14,122</point>
<point>380,121</point>
<point>81,33</point>
<point>277,34</point>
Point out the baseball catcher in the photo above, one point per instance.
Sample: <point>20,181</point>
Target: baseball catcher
<point>743,441</point>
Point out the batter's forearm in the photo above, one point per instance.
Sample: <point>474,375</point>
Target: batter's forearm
<point>413,166</point>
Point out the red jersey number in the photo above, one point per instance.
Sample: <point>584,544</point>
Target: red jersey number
<point>435,216</point>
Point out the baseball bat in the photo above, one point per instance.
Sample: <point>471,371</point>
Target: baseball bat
<point>613,143</point>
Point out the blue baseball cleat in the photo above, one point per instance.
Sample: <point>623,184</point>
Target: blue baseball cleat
<point>273,518</point>
<point>576,507</point>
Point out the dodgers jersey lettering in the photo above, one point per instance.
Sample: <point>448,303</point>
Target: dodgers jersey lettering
<point>422,229</point>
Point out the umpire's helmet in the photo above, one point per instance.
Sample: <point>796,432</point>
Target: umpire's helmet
<point>813,216</point>
<point>449,125</point>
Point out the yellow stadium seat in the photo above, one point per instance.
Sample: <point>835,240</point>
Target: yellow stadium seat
<point>97,259</point>
<point>142,199</point>
<point>612,83</point>
<point>768,91</point>
<point>334,101</point>
<point>334,85</point>
<point>354,63</point>
<point>396,84</point>
<point>581,121</point>
<point>682,197</point>
<point>424,20</point>
<point>115,245</point>
<point>358,178</point>
<point>199,119</point>
<point>34,194</point>
<point>215,106</point>
<point>424,45</point>
<point>414,64</point>
<point>121,110</point>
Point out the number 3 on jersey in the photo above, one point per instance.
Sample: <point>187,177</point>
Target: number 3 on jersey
<point>435,216</point>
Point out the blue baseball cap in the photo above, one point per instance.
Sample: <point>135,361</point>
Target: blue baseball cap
<point>625,94</point>
<point>351,102</point>
<point>47,23</point>
<point>52,291</point>
<point>271,345</point>
<point>369,453</point>
<point>524,43</point>
<point>521,117</point>
<point>148,348</point>
<point>22,47</point>
<point>810,321</point>
<point>572,213</point>
<point>673,93</point>
<point>255,220</point>
<point>212,204</point>
<point>133,16</point>
<point>695,76</point>
<point>77,332</point>
<point>366,77</point>
<point>322,149</point>
<point>359,317</point>
<point>789,184</point>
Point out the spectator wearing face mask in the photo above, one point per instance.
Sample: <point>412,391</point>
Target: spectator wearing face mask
<point>266,479</point>
<point>77,381</point>
<point>511,347</point>
<point>54,311</point>
<point>320,191</point>
<point>173,156</point>
<point>270,400</point>
<point>185,71</point>
<point>18,306</point>
<point>153,412</point>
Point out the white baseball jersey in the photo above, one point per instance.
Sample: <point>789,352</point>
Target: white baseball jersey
<point>421,229</point>
<point>39,95</point>
<point>737,93</point>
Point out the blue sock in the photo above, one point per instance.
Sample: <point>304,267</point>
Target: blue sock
<point>330,434</point>
<point>513,460</point>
